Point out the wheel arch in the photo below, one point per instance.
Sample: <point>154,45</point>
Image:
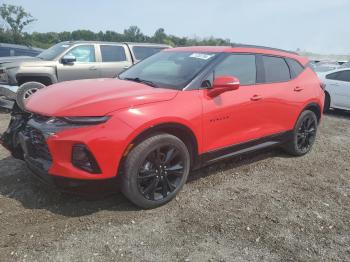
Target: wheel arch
<point>45,79</point>
<point>181,131</point>
<point>314,107</point>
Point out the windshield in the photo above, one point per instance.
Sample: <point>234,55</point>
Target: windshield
<point>174,69</point>
<point>53,51</point>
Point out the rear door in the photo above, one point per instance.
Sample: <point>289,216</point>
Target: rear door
<point>115,59</point>
<point>281,95</point>
<point>339,86</point>
<point>85,67</point>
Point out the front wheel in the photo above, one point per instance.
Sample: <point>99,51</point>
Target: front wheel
<point>304,134</point>
<point>25,91</point>
<point>155,171</point>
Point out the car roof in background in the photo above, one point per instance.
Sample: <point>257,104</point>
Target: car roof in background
<point>243,49</point>
<point>6,45</point>
<point>120,43</point>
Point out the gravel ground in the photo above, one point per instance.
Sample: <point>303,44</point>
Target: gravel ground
<point>264,207</point>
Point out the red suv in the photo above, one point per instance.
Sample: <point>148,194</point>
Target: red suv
<point>175,111</point>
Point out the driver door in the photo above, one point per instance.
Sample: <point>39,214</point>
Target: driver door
<point>232,117</point>
<point>85,66</point>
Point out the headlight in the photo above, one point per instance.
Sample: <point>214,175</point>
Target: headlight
<point>86,120</point>
<point>78,120</point>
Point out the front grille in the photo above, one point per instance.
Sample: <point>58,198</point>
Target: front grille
<point>39,147</point>
<point>40,118</point>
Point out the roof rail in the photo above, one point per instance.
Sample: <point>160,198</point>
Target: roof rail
<point>263,47</point>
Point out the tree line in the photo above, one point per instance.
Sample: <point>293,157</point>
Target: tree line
<point>15,19</point>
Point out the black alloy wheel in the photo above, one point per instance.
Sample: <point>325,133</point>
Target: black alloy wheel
<point>155,170</point>
<point>161,172</point>
<point>306,133</point>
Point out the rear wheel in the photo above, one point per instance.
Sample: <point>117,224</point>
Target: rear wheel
<point>304,134</point>
<point>25,91</point>
<point>155,171</point>
<point>327,102</point>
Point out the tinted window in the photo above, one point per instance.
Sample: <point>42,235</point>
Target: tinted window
<point>332,76</point>
<point>112,53</point>
<point>295,67</point>
<point>83,53</point>
<point>241,66</point>
<point>344,76</point>
<point>142,52</point>
<point>4,51</point>
<point>275,69</point>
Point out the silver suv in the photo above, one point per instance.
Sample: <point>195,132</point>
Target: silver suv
<point>70,61</point>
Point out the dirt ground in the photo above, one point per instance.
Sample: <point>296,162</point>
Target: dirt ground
<point>263,207</point>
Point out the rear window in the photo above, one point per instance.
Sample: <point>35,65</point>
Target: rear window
<point>275,69</point>
<point>295,67</point>
<point>112,53</point>
<point>142,52</point>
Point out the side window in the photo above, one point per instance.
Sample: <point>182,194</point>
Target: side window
<point>295,67</point>
<point>4,51</point>
<point>241,66</point>
<point>142,52</point>
<point>332,76</point>
<point>112,53</point>
<point>344,76</point>
<point>275,69</point>
<point>83,53</point>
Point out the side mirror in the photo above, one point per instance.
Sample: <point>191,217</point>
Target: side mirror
<point>68,59</point>
<point>223,84</point>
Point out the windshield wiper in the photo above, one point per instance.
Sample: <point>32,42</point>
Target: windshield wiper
<point>139,80</point>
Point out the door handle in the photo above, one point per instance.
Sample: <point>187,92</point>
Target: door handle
<point>93,68</point>
<point>334,84</point>
<point>256,98</point>
<point>126,67</point>
<point>298,89</point>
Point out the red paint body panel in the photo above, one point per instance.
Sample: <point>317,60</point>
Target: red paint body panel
<point>234,117</point>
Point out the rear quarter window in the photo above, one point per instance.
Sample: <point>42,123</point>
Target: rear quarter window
<point>295,67</point>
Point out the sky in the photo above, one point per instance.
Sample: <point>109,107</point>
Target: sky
<point>321,26</point>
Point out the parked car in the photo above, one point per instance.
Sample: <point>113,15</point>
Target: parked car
<point>18,50</point>
<point>71,61</point>
<point>176,111</point>
<point>337,88</point>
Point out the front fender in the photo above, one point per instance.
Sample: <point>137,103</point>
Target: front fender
<point>144,117</point>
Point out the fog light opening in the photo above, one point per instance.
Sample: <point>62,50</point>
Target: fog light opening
<point>83,159</point>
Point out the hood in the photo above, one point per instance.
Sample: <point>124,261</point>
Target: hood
<point>14,61</point>
<point>94,97</point>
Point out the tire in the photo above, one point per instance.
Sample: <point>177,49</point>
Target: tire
<point>153,174</point>
<point>304,134</point>
<point>26,90</point>
<point>327,103</point>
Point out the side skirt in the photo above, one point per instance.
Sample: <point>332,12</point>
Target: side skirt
<point>239,149</point>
